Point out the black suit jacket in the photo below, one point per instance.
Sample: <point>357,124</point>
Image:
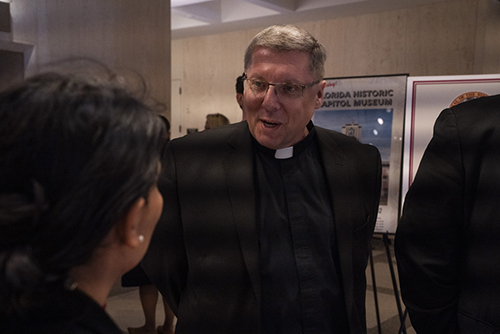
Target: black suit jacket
<point>448,239</point>
<point>204,255</point>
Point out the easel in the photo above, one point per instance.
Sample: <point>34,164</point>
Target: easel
<point>402,317</point>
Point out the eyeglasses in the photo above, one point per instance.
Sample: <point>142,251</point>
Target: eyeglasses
<point>285,92</point>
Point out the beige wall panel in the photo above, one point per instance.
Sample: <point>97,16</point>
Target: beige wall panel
<point>487,58</point>
<point>177,60</point>
<point>440,39</point>
<point>211,65</point>
<point>125,35</point>
<point>362,45</point>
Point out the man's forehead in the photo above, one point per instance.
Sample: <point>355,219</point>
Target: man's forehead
<point>297,61</point>
<point>262,51</point>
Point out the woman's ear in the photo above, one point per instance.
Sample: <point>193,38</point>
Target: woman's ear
<point>130,234</point>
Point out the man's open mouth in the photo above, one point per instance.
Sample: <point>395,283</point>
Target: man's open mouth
<point>270,124</point>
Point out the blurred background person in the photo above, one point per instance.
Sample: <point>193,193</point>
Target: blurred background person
<point>215,120</point>
<point>78,200</point>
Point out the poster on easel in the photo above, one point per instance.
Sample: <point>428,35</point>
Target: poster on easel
<point>426,98</point>
<point>371,109</point>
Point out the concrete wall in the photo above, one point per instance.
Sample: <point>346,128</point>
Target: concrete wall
<point>128,36</point>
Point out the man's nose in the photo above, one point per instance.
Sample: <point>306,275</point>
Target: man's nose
<point>271,100</point>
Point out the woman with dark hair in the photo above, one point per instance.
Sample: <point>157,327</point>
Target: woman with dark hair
<point>79,164</point>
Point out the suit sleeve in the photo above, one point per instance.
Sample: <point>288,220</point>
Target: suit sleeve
<point>428,238</point>
<point>165,262</point>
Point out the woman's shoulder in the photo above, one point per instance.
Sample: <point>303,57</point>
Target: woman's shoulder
<point>68,312</point>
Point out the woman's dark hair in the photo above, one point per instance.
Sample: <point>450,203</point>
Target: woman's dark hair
<point>74,156</point>
<point>166,123</point>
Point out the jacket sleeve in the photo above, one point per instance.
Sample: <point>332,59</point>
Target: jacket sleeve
<point>165,262</point>
<point>428,237</point>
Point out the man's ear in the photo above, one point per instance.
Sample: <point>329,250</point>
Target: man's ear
<point>239,99</point>
<point>130,234</point>
<point>320,96</point>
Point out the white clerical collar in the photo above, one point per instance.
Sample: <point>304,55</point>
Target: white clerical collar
<point>284,153</point>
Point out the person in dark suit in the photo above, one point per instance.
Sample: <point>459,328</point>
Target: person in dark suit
<point>447,239</point>
<point>268,222</point>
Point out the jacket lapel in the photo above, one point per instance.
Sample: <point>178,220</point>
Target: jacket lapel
<point>240,183</point>
<point>338,180</point>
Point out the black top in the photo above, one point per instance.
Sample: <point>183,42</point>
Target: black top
<point>63,312</point>
<point>301,290</point>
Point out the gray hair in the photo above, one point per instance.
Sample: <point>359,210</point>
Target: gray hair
<point>290,38</point>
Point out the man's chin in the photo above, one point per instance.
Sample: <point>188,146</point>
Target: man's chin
<point>269,142</point>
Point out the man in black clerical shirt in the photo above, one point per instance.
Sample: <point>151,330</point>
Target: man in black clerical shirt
<point>267,223</point>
